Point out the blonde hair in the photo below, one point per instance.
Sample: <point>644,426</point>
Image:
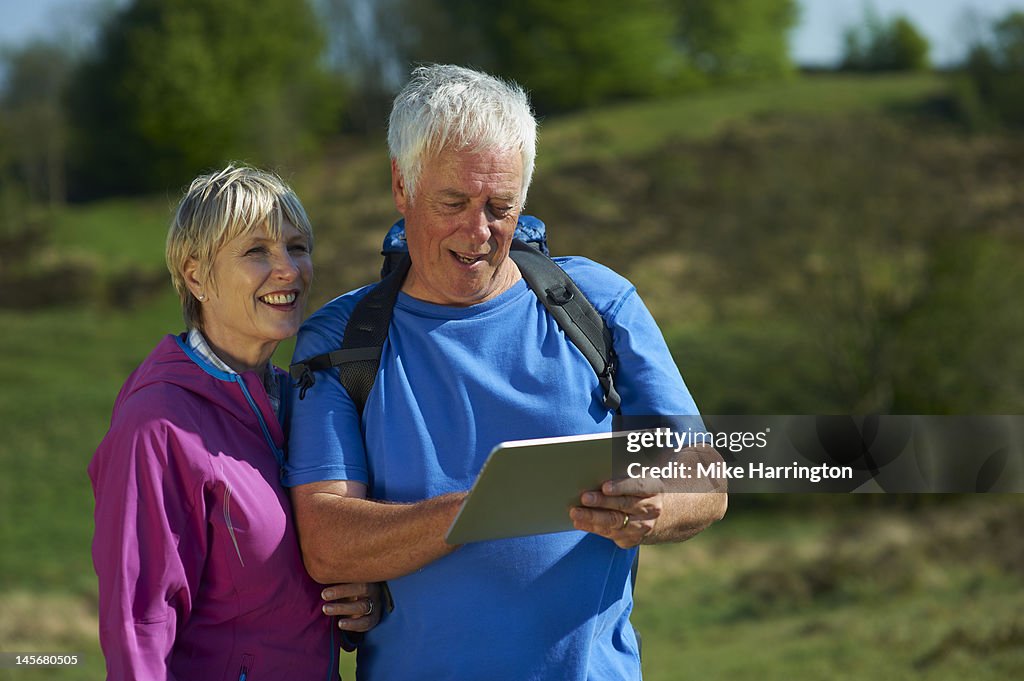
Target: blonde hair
<point>219,207</point>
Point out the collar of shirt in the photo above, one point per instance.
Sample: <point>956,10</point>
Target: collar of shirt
<point>197,341</point>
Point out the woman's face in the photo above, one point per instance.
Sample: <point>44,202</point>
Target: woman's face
<point>258,295</point>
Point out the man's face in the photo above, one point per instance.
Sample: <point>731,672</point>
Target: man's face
<point>460,224</point>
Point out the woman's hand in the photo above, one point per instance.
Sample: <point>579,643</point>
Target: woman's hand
<point>357,606</point>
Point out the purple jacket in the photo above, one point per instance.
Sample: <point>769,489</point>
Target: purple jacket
<point>200,575</point>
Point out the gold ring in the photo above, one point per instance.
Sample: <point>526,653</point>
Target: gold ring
<point>369,607</point>
<point>625,521</point>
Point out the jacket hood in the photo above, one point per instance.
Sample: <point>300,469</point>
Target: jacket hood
<point>173,363</point>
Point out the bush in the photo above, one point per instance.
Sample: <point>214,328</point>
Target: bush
<point>989,89</point>
<point>877,45</point>
<point>816,266</point>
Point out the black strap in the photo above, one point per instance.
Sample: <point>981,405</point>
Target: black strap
<point>575,315</point>
<point>367,330</point>
<point>358,359</point>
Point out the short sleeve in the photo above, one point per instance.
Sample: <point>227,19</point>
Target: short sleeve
<point>325,440</point>
<point>647,377</point>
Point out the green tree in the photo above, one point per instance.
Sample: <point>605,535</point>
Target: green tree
<point>576,53</point>
<point>581,52</point>
<point>1009,41</point>
<point>879,45</point>
<point>178,86</point>
<point>569,54</point>
<point>989,91</point>
<point>736,41</point>
<point>33,124</point>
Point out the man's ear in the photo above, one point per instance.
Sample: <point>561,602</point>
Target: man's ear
<point>398,188</point>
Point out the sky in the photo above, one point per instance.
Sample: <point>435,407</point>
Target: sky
<point>817,40</point>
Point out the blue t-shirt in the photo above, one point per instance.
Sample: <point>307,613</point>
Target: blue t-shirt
<point>454,382</point>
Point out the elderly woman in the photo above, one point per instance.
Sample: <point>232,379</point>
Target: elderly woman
<point>200,575</point>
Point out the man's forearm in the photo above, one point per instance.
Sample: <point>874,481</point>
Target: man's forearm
<point>685,515</point>
<point>347,539</point>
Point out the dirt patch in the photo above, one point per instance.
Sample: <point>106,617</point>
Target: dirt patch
<point>34,621</point>
<point>886,554</point>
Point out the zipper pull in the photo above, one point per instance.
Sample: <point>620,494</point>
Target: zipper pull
<point>243,672</point>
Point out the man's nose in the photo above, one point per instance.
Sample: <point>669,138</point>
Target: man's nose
<point>477,226</point>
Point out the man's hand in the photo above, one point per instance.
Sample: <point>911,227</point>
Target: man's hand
<point>358,605</point>
<point>625,511</point>
<point>631,511</point>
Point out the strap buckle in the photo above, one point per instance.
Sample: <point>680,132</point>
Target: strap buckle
<point>559,295</point>
<point>303,377</point>
<point>612,400</point>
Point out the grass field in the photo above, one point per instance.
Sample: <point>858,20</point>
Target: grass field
<point>821,593</point>
<point>817,589</point>
<point>866,594</point>
<point>610,132</point>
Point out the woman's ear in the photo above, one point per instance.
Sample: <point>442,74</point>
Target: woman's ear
<point>191,274</point>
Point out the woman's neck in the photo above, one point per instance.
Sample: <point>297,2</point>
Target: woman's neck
<point>258,359</point>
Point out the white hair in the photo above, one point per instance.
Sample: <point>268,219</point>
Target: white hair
<point>451,107</point>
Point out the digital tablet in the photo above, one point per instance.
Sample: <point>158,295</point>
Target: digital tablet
<point>528,486</point>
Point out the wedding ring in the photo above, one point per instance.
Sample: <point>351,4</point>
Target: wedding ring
<point>625,520</point>
<point>369,608</point>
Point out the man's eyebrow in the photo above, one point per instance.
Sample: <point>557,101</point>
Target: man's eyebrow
<point>456,194</point>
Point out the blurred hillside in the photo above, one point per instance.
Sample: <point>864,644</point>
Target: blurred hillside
<point>812,247</point>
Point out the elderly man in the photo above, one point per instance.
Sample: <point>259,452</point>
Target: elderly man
<point>473,359</point>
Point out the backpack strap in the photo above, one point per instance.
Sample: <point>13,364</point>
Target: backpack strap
<point>575,315</point>
<point>358,359</point>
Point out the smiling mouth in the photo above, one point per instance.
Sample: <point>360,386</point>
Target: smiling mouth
<point>468,259</point>
<point>279,298</point>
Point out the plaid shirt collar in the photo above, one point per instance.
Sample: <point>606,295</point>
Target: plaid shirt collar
<point>197,341</point>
